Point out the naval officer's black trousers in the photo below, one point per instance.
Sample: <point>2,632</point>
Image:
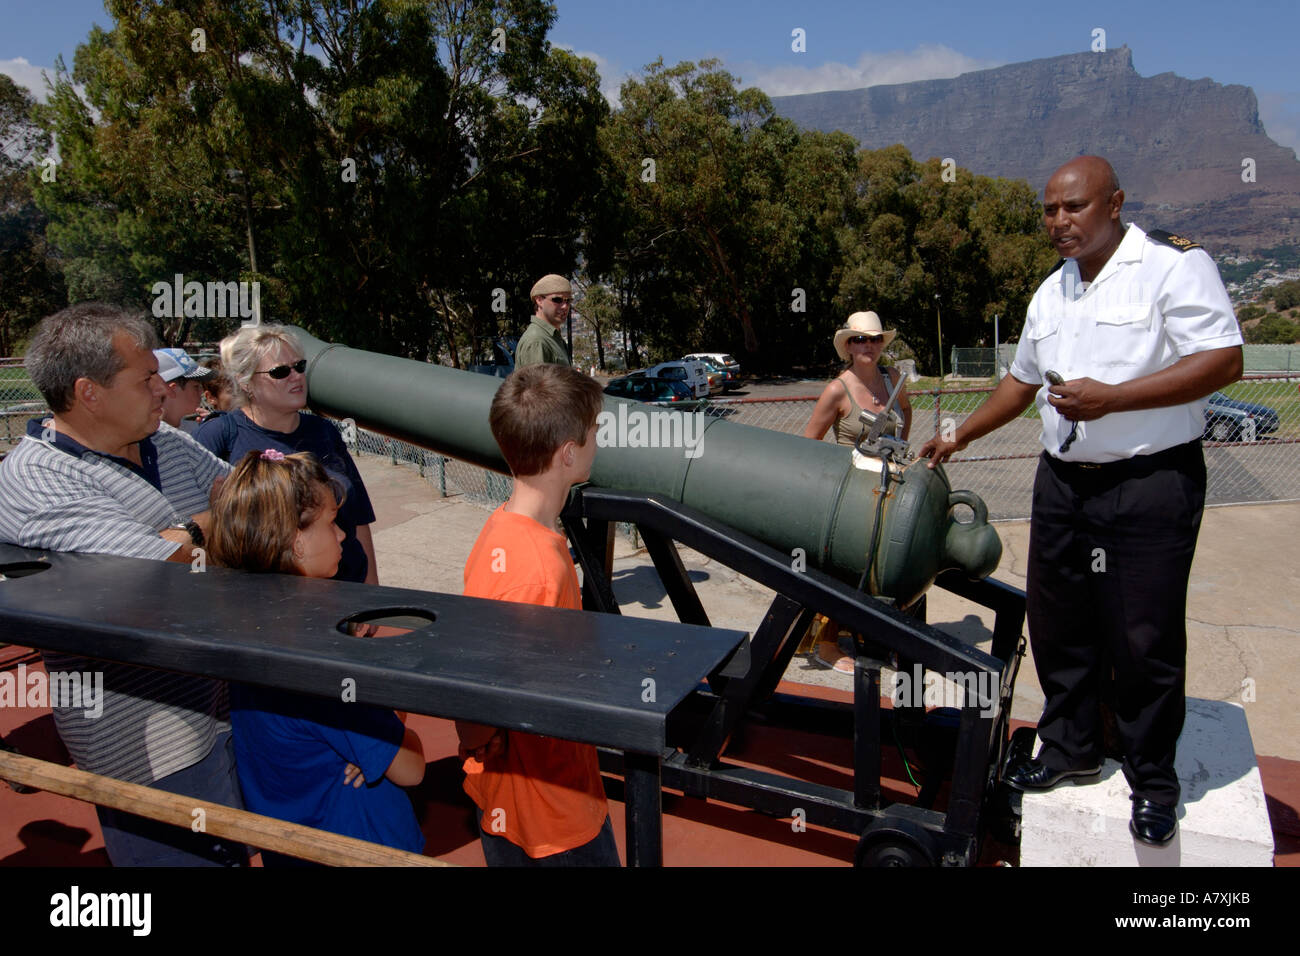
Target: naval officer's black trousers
<point>1110,550</point>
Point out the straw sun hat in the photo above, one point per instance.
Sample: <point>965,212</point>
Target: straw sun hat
<point>861,323</point>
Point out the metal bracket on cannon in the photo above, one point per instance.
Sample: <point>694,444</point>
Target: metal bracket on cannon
<point>873,442</point>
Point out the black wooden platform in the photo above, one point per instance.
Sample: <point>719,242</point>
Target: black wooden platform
<point>560,673</point>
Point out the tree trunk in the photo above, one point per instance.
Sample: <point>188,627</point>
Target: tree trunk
<point>746,323</point>
<point>449,331</point>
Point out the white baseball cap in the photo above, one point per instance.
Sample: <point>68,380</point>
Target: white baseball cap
<point>177,363</point>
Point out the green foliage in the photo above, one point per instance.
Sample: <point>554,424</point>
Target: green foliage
<point>1246,313</point>
<point>1286,256</point>
<point>1239,271</point>
<point>390,187</point>
<point>725,226</point>
<point>379,192</point>
<point>1281,257</point>
<point>600,309</point>
<point>747,219</point>
<point>1285,296</point>
<point>31,285</point>
<point>922,250</point>
<point>1273,329</point>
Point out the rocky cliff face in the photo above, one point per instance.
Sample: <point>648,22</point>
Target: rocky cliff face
<point>1177,144</point>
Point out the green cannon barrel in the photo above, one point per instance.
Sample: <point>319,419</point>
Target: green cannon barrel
<point>800,496</point>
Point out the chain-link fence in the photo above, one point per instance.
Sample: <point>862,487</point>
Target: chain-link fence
<point>449,475</point>
<point>19,400</point>
<point>982,362</point>
<point>1271,358</point>
<point>1252,446</point>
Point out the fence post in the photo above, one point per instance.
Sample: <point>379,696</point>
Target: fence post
<point>938,399</point>
<point>442,476</point>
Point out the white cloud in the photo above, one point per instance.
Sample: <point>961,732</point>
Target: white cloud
<point>1280,114</point>
<point>27,75</point>
<point>926,62</point>
<point>611,77</point>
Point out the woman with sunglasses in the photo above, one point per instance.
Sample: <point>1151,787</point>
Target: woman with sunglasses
<point>863,385</point>
<point>270,391</point>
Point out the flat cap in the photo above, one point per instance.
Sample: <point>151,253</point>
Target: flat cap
<point>551,285</point>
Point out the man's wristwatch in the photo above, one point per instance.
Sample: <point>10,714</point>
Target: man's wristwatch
<point>191,528</point>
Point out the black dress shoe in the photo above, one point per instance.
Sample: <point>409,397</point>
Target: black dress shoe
<point>1032,775</point>
<point>1153,823</point>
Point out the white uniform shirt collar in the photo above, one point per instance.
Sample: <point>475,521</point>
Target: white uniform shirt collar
<point>1129,250</point>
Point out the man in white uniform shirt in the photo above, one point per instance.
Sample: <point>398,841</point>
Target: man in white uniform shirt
<point>1139,329</point>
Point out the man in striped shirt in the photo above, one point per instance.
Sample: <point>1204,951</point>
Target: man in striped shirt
<point>101,476</point>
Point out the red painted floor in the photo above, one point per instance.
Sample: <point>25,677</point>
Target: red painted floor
<point>41,829</point>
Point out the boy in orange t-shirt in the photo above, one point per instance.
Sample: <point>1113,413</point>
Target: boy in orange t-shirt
<point>540,800</point>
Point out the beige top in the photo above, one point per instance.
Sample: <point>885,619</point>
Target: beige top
<point>848,429</point>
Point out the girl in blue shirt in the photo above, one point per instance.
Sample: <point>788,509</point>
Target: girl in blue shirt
<point>317,761</point>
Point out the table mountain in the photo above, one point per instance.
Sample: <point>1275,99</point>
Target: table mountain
<point>1177,144</point>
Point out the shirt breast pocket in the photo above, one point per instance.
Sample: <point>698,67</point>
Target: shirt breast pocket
<point>1042,340</point>
<point>1121,335</point>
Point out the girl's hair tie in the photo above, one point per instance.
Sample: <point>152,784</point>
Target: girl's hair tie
<point>272,454</point>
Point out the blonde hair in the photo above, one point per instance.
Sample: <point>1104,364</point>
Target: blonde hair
<point>262,506</point>
<point>242,352</point>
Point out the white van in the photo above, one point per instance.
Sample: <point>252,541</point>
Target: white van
<point>692,373</point>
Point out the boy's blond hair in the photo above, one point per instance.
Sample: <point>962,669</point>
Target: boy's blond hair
<point>537,409</point>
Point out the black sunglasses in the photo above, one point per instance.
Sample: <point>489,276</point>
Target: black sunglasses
<point>864,339</point>
<point>282,371</point>
<point>559,299</point>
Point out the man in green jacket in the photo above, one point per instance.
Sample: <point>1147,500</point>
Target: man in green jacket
<point>541,341</point>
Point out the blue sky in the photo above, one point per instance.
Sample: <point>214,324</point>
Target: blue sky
<point>851,44</point>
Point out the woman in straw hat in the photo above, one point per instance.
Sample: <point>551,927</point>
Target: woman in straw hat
<point>863,385</point>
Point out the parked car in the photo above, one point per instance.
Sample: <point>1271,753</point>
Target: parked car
<point>722,360</point>
<point>1228,419</point>
<point>692,373</point>
<point>501,363</point>
<point>654,391</point>
<point>726,378</point>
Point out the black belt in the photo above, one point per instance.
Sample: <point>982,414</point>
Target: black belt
<point>1128,467</point>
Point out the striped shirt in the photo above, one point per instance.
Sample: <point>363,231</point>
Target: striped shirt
<point>67,498</point>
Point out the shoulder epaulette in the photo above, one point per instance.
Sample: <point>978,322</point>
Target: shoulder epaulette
<point>1169,239</point>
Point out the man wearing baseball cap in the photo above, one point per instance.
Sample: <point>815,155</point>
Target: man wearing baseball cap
<point>541,342</point>
<point>184,378</point>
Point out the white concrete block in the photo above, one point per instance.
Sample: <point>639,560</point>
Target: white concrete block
<point>1222,820</point>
